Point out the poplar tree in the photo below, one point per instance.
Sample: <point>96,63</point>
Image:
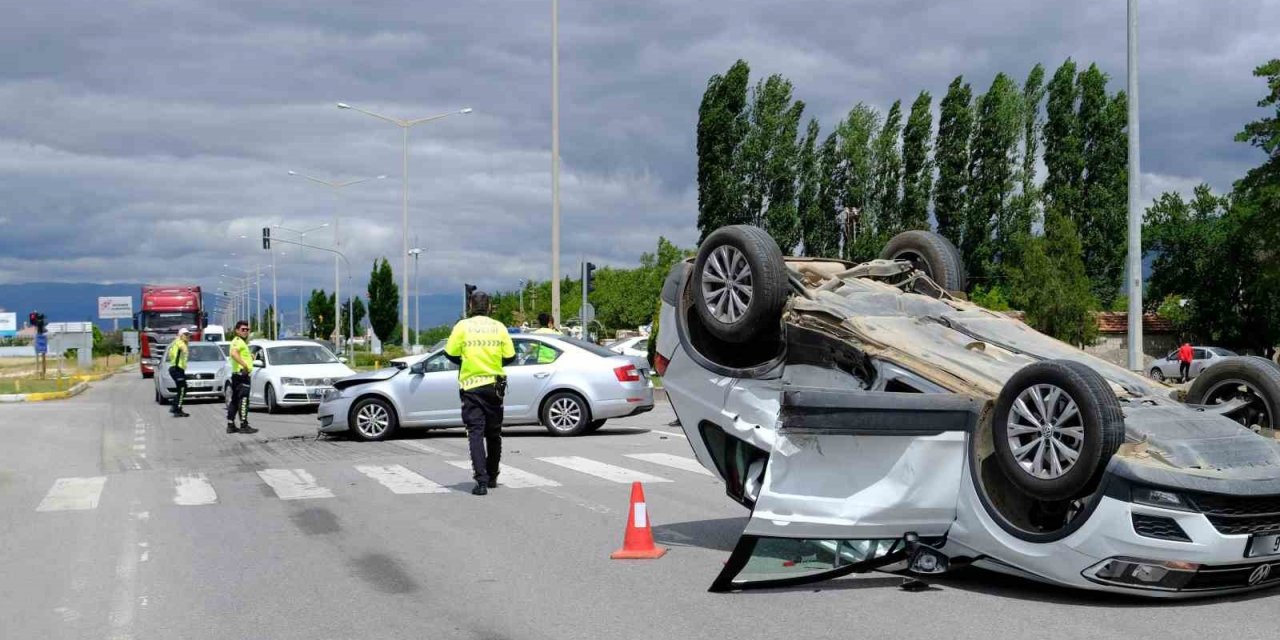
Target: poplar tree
<point>917,170</point>
<point>955,123</point>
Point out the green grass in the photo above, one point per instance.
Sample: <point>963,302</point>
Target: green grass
<point>33,385</point>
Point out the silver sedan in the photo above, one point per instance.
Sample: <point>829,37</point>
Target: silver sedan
<point>571,390</point>
<point>1168,367</point>
<point>207,372</point>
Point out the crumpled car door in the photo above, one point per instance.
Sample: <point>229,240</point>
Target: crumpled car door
<point>852,475</point>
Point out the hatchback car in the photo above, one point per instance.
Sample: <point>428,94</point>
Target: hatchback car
<point>207,373</point>
<point>571,390</point>
<point>1169,367</point>
<point>292,373</point>
<point>870,419</point>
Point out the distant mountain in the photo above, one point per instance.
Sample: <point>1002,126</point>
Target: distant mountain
<point>78,302</point>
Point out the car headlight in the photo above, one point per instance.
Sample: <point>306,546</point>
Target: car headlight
<point>291,382</point>
<point>1161,498</point>
<point>331,394</point>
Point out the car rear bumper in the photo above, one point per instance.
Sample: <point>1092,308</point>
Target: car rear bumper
<point>636,403</point>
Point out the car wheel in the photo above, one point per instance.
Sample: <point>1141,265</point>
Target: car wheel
<point>372,419</point>
<point>566,414</point>
<point>1252,380</point>
<point>931,253</point>
<point>740,282</point>
<point>595,426</point>
<point>270,395</point>
<point>1157,374</point>
<point>1056,425</point>
<point>159,398</point>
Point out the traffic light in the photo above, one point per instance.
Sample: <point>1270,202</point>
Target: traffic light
<point>588,280</point>
<point>266,238</point>
<point>466,298</point>
<point>36,319</point>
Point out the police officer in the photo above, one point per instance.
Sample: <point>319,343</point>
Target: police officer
<point>481,346</point>
<point>176,357</point>
<point>548,324</point>
<point>241,369</point>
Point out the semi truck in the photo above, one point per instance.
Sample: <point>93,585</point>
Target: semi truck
<point>166,308</point>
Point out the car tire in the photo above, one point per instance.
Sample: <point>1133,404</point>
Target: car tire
<point>372,419</point>
<point>566,414</point>
<point>1252,378</point>
<point>269,396</point>
<point>595,426</point>
<point>932,254</point>
<point>159,398</point>
<point>1084,419</point>
<point>1157,374</point>
<point>737,262</point>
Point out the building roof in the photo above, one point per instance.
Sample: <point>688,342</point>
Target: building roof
<point>1117,322</point>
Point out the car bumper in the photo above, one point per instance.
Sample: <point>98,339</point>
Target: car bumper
<point>332,414</point>
<point>637,401</point>
<point>297,396</point>
<point>194,392</point>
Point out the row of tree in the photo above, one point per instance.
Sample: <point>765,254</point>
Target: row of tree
<point>383,308</point>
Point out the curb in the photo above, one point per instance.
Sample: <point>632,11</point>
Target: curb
<point>45,395</point>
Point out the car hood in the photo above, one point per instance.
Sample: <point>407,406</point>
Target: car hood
<point>366,377</point>
<point>205,367</point>
<point>334,370</point>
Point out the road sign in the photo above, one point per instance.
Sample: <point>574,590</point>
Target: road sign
<point>130,340</point>
<point>115,307</point>
<point>8,325</point>
<point>42,343</point>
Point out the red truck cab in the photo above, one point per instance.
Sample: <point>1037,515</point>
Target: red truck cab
<point>165,310</point>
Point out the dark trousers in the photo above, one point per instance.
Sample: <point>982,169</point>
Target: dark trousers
<point>239,404</point>
<point>482,413</point>
<point>180,381</point>
<point>1184,370</point>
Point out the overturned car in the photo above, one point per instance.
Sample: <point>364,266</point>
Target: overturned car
<point>870,419</point>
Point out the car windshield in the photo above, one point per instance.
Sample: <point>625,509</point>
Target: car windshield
<point>1222,352</point>
<point>300,354</point>
<point>205,353</point>
<point>166,320</point>
<point>588,346</point>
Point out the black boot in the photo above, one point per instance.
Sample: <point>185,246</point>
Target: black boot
<point>231,428</point>
<point>245,428</point>
<point>479,490</point>
<point>492,483</point>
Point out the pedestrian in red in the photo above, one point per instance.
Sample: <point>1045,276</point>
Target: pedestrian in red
<point>1184,361</point>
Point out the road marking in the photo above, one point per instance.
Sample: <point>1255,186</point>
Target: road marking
<point>294,484</point>
<point>399,479</point>
<point>660,432</point>
<point>673,461</point>
<point>73,494</point>
<point>193,490</point>
<point>601,470</point>
<point>512,477</point>
<point>418,446</point>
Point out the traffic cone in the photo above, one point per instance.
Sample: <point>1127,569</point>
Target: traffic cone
<point>638,542</point>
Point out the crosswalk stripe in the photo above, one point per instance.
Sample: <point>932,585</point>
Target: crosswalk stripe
<point>293,484</point>
<point>73,494</point>
<point>673,461</point>
<point>418,446</point>
<point>601,470</point>
<point>193,490</point>
<point>400,479</point>
<point>512,477</point>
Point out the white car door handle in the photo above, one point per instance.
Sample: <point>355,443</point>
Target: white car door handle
<point>542,374</point>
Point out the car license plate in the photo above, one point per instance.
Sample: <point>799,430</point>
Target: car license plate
<point>1264,545</point>
<point>199,385</point>
<point>318,392</point>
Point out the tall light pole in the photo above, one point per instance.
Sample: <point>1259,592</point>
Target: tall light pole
<point>337,217</point>
<point>417,299</point>
<point>404,125</point>
<point>555,161</point>
<point>1135,214</point>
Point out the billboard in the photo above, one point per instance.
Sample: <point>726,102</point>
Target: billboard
<point>8,325</point>
<point>115,307</point>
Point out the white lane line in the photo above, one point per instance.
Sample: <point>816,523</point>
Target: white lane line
<point>399,479</point>
<point>294,484</point>
<point>418,446</point>
<point>193,490</point>
<point>601,470</point>
<point>512,477</point>
<point>73,494</point>
<point>673,461</point>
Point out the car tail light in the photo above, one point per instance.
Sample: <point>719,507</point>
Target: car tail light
<point>627,373</point>
<point>660,363</point>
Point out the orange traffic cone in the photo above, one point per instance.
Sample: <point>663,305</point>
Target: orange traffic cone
<point>638,543</point>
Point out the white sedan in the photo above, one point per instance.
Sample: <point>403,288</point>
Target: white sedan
<point>637,346</point>
<point>292,373</point>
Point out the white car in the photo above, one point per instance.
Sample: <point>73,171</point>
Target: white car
<point>207,372</point>
<point>292,373</point>
<point>637,346</point>
<point>1169,367</point>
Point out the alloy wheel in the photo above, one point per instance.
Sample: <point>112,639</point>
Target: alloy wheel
<point>564,414</point>
<point>1254,410</point>
<point>726,284</point>
<point>1045,431</point>
<point>372,420</point>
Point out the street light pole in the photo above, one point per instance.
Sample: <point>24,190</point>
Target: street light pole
<point>1135,215</point>
<point>417,299</point>
<point>555,161</point>
<point>404,235</point>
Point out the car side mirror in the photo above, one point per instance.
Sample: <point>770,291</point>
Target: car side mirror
<point>258,364</point>
<point>418,368</point>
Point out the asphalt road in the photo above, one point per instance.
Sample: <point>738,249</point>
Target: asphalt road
<point>117,521</point>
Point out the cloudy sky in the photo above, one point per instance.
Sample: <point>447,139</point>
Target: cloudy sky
<point>139,139</point>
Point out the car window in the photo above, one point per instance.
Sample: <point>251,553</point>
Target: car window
<point>530,352</point>
<point>1173,355</point>
<point>1222,352</point>
<point>589,346</point>
<point>438,363</point>
<point>204,353</point>
<point>1200,354</point>
<point>255,353</point>
<point>300,354</point>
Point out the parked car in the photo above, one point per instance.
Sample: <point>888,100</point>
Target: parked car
<point>871,420</point>
<point>1169,367</point>
<point>207,373</point>
<point>581,388</point>
<point>635,346</point>
<point>292,373</point>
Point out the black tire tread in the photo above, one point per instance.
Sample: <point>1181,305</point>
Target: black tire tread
<point>584,425</point>
<point>944,259</point>
<point>393,420</point>
<point>770,286</point>
<point>1261,372</point>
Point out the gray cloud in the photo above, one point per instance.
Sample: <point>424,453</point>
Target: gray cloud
<point>140,143</point>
